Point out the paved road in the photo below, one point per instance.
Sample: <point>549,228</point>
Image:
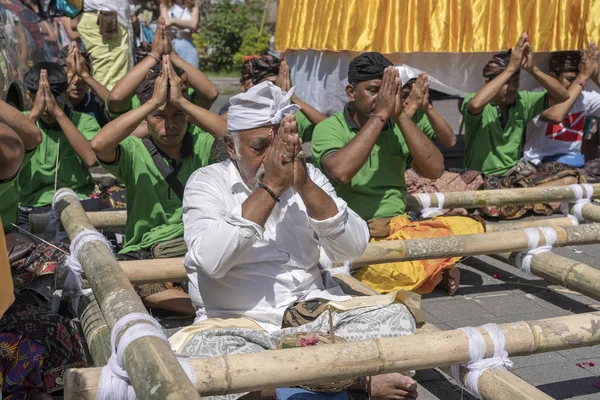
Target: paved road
<point>511,297</point>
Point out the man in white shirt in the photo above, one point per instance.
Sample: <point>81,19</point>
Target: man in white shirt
<point>557,133</point>
<point>254,228</point>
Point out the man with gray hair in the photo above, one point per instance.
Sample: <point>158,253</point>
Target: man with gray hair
<point>255,226</point>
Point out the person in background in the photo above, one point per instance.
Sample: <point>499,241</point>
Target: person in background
<point>64,156</point>
<point>181,18</point>
<point>546,141</point>
<point>154,170</point>
<point>103,27</point>
<point>85,93</point>
<point>267,68</point>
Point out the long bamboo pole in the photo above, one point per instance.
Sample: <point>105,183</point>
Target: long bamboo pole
<point>95,329</point>
<point>562,271</point>
<point>172,270</point>
<point>290,367</point>
<point>532,223</point>
<point>591,212</point>
<point>99,219</point>
<point>153,370</point>
<point>499,197</point>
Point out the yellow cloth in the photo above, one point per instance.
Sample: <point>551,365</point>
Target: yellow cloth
<point>110,58</point>
<point>7,295</point>
<point>420,276</point>
<point>391,26</point>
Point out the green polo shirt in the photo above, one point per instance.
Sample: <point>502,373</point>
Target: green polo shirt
<point>37,178</point>
<point>153,210</point>
<point>420,119</point>
<point>9,196</point>
<point>305,127</point>
<point>378,189</point>
<point>491,148</point>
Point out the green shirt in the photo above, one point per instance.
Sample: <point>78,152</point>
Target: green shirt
<point>490,148</point>
<point>36,179</point>
<point>305,127</point>
<point>154,214</point>
<point>9,196</point>
<point>378,189</point>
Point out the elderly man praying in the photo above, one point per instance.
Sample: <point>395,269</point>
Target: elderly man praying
<point>255,226</point>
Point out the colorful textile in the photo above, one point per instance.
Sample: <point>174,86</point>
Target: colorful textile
<point>378,189</point>
<point>21,361</point>
<point>492,148</point>
<point>359,324</point>
<point>420,276</point>
<point>42,260</point>
<point>460,26</point>
<point>36,179</point>
<point>59,336</point>
<point>546,172</point>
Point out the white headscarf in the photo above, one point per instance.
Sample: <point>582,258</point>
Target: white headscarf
<point>262,105</point>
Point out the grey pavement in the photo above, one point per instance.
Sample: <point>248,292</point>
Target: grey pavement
<point>492,291</point>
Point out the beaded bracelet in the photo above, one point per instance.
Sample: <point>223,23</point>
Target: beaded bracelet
<point>580,83</point>
<point>155,57</point>
<point>271,193</point>
<point>379,117</point>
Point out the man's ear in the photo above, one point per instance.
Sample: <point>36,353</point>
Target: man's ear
<point>230,147</point>
<point>350,92</point>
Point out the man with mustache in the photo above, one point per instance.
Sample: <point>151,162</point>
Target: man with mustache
<point>496,116</point>
<point>255,226</point>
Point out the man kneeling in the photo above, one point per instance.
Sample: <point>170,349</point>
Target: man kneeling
<point>254,228</point>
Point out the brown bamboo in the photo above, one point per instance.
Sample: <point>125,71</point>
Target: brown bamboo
<point>499,197</point>
<point>562,271</point>
<point>289,367</point>
<point>532,223</point>
<point>153,370</point>
<point>99,219</point>
<point>470,245</point>
<point>172,270</point>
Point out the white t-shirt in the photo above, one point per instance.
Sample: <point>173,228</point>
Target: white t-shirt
<point>544,139</point>
<point>181,13</point>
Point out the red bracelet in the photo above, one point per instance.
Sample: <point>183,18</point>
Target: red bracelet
<point>580,83</point>
<point>379,117</point>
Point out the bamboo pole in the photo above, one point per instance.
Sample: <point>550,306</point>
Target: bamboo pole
<point>95,329</point>
<point>153,370</point>
<point>172,270</point>
<point>499,197</point>
<point>533,223</point>
<point>562,271</point>
<point>99,219</point>
<point>469,245</point>
<point>591,212</point>
<point>290,367</point>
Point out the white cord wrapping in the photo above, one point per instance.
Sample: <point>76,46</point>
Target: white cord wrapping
<point>63,192</point>
<point>523,260</point>
<point>580,200</point>
<point>73,283</point>
<point>477,350</point>
<point>428,211</point>
<point>114,381</point>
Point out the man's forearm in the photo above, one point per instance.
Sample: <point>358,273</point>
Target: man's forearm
<point>96,87</point>
<point>206,120</point>
<point>427,157</point>
<point>258,206</point>
<point>121,94</point>
<point>78,142</point>
<point>320,205</point>
<point>556,92</point>
<point>205,92</point>
<point>487,93</point>
<point>559,112</point>
<point>443,131</point>
<point>24,127</point>
<point>312,114</point>
<point>345,163</point>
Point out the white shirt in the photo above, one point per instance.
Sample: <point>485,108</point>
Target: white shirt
<point>243,269</point>
<point>181,13</point>
<point>544,139</point>
<point>120,6</point>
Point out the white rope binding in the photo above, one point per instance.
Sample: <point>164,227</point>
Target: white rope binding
<point>428,211</point>
<point>477,350</point>
<point>580,201</point>
<point>114,381</point>
<point>523,259</point>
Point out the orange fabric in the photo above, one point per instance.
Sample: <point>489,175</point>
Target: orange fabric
<point>7,296</point>
<point>391,26</point>
<point>420,276</point>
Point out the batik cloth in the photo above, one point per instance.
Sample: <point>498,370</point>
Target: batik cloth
<point>38,260</point>
<point>21,361</point>
<point>64,346</point>
<point>420,276</point>
<point>359,324</point>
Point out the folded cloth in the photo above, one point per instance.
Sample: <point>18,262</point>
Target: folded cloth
<point>169,249</point>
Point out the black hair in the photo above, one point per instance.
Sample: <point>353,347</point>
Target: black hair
<point>57,78</point>
<point>409,83</point>
<point>145,91</point>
